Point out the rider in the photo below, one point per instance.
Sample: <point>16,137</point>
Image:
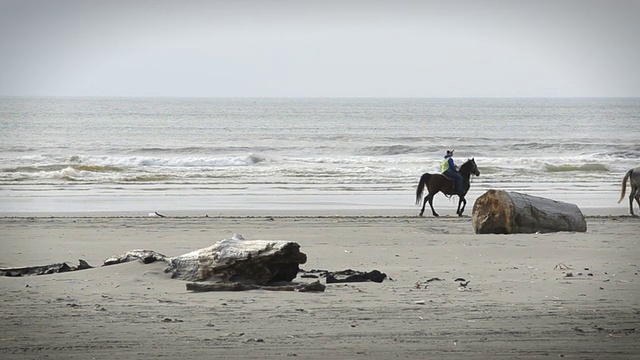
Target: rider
<point>449,169</point>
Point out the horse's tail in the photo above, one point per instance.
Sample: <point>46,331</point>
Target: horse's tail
<point>624,184</point>
<point>423,182</point>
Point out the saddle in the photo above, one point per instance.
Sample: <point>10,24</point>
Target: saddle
<point>450,179</point>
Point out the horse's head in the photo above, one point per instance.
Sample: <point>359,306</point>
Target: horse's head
<point>470,167</point>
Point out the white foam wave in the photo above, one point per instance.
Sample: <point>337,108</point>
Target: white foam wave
<point>176,161</point>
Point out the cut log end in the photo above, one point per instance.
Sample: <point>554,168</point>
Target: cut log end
<point>501,212</point>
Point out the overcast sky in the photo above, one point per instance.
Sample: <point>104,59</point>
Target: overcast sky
<point>308,48</point>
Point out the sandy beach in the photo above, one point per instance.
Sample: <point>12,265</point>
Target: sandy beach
<point>519,302</point>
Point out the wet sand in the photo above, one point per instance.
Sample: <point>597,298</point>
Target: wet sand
<point>519,303</point>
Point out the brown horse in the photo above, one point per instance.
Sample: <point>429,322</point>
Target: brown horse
<point>436,183</point>
<point>633,176</point>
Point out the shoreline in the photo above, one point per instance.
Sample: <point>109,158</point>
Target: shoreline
<point>445,210</point>
<point>395,203</point>
<point>273,216</point>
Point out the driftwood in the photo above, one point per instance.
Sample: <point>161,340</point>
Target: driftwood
<point>257,262</point>
<point>228,265</point>
<point>345,276</point>
<point>235,286</point>
<point>146,256</point>
<point>501,212</point>
<point>44,269</point>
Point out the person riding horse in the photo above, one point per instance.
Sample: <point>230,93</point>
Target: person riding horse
<point>436,183</point>
<point>450,170</point>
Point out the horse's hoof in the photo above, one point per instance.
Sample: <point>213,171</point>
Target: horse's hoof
<point>436,215</point>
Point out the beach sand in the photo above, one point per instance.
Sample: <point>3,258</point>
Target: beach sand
<point>519,303</point>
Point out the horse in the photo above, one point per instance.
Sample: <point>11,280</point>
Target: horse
<point>439,183</point>
<point>633,176</point>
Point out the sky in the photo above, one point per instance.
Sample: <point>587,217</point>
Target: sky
<point>308,48</point>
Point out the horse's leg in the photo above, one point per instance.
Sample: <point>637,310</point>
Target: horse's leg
<point>462,202</point>
<point>636,192</point>
<point>433,211</point>
<point>424,203</point>
<point>631,197</point>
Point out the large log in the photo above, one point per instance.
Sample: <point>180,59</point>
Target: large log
<point>257,262</point>
<point>501,212</point>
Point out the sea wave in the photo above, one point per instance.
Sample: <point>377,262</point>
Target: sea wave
<point>566,146</point>
<point>195,150</point>
<point>16,149</point>
<point>59,167</point>
<point>571,167</point>
<point>631,153</point>
<point>107,169</point>
<point>76,175</point>
<point>70,174</point>
<point>98,168</point>
<point>389,150</point>
<point>147,178</point>
<point>117,162</point>
<point>33,169</point>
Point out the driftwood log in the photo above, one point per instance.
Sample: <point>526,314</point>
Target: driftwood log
<point>146,256</point>
<point>255,262</point>
<point>235,286</point>
<point>44,269</point>
<point>501,212</point>
<point>345,276</point>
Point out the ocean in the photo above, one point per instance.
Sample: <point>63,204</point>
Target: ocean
<point>213,156</point>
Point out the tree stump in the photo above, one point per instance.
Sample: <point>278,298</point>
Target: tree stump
<point>501,212</point>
